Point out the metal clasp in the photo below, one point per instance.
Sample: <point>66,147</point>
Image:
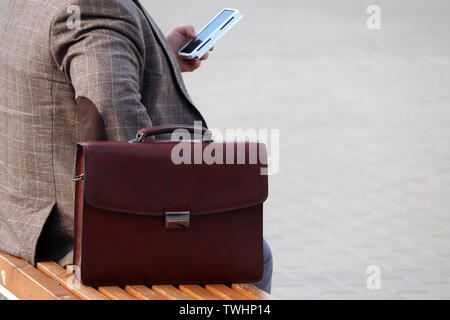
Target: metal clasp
<point>177,219</point>
<point>79,178</point>
<point>138,139</point>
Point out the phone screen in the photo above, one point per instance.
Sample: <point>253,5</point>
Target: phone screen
<point>202,36</point>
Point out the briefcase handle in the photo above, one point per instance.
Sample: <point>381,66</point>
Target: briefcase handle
<point>169,128</point>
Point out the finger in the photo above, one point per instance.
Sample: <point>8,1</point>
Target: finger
<point>195,65</point>
<point>205,57</point>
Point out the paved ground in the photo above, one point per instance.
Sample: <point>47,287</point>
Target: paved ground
<point>365,139</point>
<point>365,142</point>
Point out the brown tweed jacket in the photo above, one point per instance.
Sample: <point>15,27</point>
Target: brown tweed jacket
<point>118,59</point>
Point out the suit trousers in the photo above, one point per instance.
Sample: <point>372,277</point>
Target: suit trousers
<point>266,281</point>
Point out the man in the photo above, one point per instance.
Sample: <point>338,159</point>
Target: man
<point>63,80</point>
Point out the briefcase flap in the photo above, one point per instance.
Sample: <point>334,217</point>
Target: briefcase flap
<point>145,179</point>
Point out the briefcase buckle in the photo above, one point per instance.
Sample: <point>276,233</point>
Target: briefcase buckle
<point>177,219</point>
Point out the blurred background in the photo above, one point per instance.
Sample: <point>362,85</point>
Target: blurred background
<point>364,120</point>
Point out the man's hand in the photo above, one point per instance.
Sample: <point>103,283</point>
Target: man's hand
<point>178,37</point>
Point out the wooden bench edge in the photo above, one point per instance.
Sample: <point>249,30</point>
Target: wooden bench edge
<point>28,283</point>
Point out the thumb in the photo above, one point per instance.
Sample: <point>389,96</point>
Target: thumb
<point>190,32</point>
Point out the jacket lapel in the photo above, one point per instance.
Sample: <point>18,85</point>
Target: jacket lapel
<point>171,57</point>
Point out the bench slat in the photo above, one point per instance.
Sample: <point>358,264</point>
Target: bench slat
<point>251,292</point>
<point>143,293</point>
<point>198,292</point>
<point>49,281</point>
<point>171,293</point>
<point>225,292</point>
<point>28,283</point>
<point>115,293</point>
<point>68,281</point>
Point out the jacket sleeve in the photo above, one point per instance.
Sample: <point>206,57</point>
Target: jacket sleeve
<point>103,56</point>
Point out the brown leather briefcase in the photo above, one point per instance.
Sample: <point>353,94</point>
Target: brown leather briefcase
<point>143,218</point>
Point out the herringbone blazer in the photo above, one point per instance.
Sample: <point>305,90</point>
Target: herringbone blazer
<point>117,58</point>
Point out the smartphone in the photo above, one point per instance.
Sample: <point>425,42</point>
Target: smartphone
<point>210,34</point>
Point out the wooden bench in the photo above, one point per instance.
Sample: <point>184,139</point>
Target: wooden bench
<point>49,281</point>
